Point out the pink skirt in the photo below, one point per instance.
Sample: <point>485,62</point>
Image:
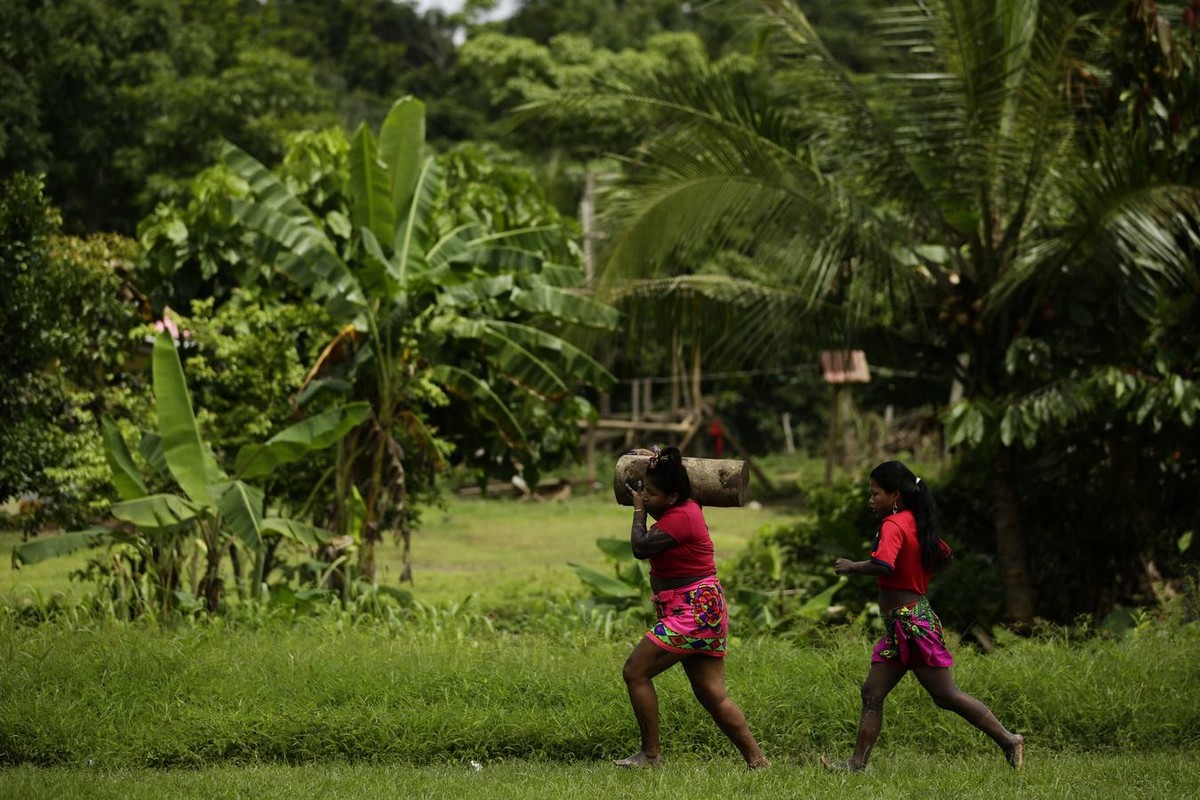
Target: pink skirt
<point>692,619</point>
<point>912,638</point>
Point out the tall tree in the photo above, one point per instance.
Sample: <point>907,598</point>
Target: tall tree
<point>970,199</point>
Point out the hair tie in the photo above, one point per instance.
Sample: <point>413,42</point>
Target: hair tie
<point>656,454</point>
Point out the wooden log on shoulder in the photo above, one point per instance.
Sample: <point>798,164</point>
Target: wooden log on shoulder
<point>716,482</point>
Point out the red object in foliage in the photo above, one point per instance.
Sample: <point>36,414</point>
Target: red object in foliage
<point>714,429</point>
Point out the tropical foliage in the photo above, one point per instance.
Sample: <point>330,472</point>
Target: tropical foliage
<point>972,210</point>
<point>173,543</point>
<point>997,200</point>
<point>425,312</point>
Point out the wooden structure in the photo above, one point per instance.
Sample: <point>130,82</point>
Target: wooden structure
<point>688,414</point>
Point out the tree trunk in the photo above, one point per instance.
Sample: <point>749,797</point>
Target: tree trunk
<point>718,482</point>
<point>1010,543</point>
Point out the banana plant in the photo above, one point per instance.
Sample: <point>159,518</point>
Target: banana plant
<point>420,302</point>
<point>212,510</point>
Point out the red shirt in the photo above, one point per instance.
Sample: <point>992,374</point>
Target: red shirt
<point>897,547</point>
<point>693,551</point>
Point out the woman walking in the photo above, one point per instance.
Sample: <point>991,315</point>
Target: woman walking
<point>907,552</point>
<point>693,623</point>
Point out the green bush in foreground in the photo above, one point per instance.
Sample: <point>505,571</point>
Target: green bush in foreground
<point>128,696</point>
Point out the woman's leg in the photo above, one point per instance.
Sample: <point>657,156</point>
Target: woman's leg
<point>941,687</point>
<point>881,679</point>
<point>646,661</point>
<point>707,676</point>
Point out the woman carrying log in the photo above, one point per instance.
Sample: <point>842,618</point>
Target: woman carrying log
<point>693,622</point>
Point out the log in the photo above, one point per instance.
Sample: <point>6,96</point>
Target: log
<point>716,482</point>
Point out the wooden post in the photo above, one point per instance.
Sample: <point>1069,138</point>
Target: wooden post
<point>840,367</point>
<point>831,437</point>
<point>587,218</point>
<point>788,444</point>
<point>635,398</point>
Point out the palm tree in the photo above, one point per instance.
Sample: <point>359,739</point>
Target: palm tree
<point>966,194</point>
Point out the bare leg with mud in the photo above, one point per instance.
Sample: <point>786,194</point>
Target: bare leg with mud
<point>646,661</point>
<point>707,676</point>
<point>881,679</point>
<point>946,694</point>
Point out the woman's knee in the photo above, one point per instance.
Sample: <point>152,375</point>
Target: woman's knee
<point>872,695</point>
<point>633,671</point>
<point>711,697</point>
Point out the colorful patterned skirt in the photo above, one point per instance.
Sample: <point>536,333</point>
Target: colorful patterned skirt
<point>692,619</point>
<point>912,638</point>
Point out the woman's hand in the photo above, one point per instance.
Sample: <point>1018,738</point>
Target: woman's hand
<point>638,493</point>
<point>843,566</point>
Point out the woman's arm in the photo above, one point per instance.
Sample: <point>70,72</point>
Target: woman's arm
<point>844,566</point>
<point>645,542</point>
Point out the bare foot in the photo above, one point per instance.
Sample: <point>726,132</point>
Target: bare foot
<point>759,763</point>
<point>841,766</point>
<point>1016,753</point>
<point>639,760</point>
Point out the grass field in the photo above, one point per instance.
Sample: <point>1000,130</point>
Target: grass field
<point>496,549</point>
<point>346,707</point>
<point>1104,776</point>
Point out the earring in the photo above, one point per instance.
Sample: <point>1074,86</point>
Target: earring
<point>895,508</point>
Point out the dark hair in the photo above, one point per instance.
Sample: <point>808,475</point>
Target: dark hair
<point>893,476</point>
<point>667,472</point>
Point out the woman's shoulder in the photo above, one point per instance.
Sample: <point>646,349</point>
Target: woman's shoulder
<point>903,519</point>
<point>688,508</point>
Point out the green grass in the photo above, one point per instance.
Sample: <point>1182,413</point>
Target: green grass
<point>1080,776</point>
<point>505,549</point>
<point>38,582</point>
<point>428,691</point>
<point>340,706</point>
<point>500,550</point>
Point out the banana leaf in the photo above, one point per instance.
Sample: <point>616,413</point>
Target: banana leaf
<point>567,305</point>
<point>465,385</point>
<point>514,359</point>
<point>816,605</point>
<point>125,475</point>
<point>413,233</point>
<point>297,531</point>
<point>156,511</point>
<point>401,139</point>
<point>150,446</point>
<point>616,549</point>
<point>48,547</point>
<point>241,508</point>
<point>370,188</point>
<point>603,585</point>
<point>568,359</point>
<point>293,443</point>
<point>185,453</point>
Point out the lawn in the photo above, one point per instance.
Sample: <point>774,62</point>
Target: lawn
<point>340,706</point>
<point>496,549</point>
<point>1092,776</point>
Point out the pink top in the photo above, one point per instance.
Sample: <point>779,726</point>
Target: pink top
<point>897,547</point>
<point>693,552</point>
